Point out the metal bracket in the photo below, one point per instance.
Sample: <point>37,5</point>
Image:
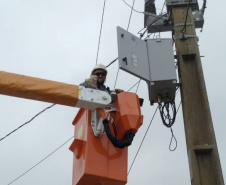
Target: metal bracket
<point>190,56</point>
<point>185,36</point>
<point>182,24</point>
<point>92,98</point>
<point>97,121</point>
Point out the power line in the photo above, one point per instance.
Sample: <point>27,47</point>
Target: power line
<point>146,134</point>
<point>173,136</point>
<point>116,79</point>
<point>112,62</point>
<point>130,14</point>
<point>142,141</point>
<point>28,121</point>
<point>134,85</point>
<point>40,161</point>
<point>127,30</point>
<point>138,85</point>
<point>131,7</point>
<point>100,30</point>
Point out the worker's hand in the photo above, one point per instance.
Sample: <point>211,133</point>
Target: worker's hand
<point>118,90</point>
<point>92,80</point>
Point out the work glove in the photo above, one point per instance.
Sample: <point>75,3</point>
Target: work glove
<point>118,90</point>
<point>92,80</point>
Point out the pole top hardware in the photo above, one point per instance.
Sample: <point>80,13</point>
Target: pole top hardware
<point>182,24</point>
<point>171,3</point>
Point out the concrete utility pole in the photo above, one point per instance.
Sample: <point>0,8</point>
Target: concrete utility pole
<point>205,167</point>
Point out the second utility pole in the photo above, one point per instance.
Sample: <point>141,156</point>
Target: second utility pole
<point>204,162</point>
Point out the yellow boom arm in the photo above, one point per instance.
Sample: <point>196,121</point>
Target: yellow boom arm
<point>52,91</point>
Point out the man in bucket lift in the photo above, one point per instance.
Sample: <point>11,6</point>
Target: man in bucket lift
<point>97,78</point>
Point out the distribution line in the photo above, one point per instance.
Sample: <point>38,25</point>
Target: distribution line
<point>142,141</point>
<point>40,161</point>
<point>28,121</point>
<point>134,85</point>
<point>131,7</point>
<point>100,31</point>
<point>127,30</point>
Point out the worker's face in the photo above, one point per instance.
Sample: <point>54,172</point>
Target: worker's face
<point>101,76</point>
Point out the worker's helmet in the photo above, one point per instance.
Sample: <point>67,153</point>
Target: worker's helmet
<point>99,66</point>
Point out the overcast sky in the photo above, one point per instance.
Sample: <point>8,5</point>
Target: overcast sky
<point>57,40</point>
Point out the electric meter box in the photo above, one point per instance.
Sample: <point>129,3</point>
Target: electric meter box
<point>163,78</point>
<point>151,60</point>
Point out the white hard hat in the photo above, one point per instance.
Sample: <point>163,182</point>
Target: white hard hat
<point>99,66</point>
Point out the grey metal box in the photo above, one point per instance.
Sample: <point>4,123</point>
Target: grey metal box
<point>162,69</point>
<point>180,2</point>
<point>132,54</point>
<point>160,26</point>
<point>151,60</point>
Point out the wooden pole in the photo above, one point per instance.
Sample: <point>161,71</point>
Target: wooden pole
<point>204,162</point>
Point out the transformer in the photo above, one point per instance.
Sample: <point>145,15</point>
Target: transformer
<point>151,60</point>
<point>163,23</point>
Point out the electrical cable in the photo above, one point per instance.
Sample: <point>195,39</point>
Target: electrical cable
<point>203,6</point>
<point>131,7</point>
<point>100,31</point>
<point>155,20</point>
<point>183,30</point>
<point>127,30</point>
<point>142,141</point>
<point>28,121</point>
<point>40,161</point>
<point>112,62</point>
<point>134,85</point>
<point>138,85</point>
<point>173,136</point>
<point>130,15</point>
<point>116,79</point>
<point>166,118</point>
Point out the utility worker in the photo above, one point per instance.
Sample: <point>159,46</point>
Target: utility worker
<point>97,78</point>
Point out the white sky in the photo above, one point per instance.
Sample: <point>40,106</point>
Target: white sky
<point>57,40</point>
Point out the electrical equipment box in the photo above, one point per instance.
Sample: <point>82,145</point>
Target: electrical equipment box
<point>151,60</point>
<point>198,18</point>
<point>164,23</point>
<point>132,54</point>
<point>180,2</point>
<point>163,79</point>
